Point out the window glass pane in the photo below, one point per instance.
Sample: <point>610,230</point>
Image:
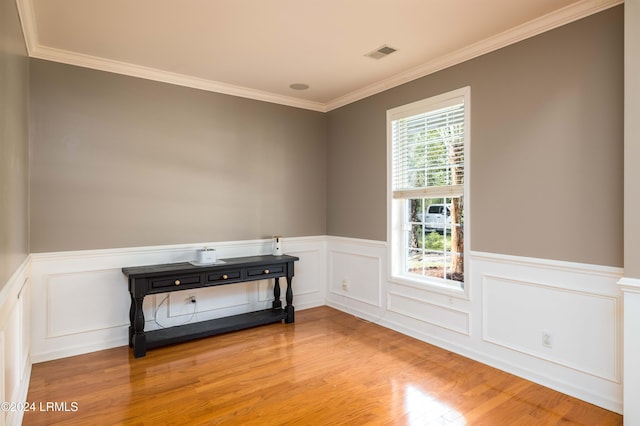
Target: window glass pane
<point>435,240</point>
<point>428,149</point>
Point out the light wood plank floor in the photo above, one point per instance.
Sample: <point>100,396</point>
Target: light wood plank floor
<point>329,368</point>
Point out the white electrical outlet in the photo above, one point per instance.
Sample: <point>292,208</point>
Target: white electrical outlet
<point>547,339</point>
<point>345,285</point>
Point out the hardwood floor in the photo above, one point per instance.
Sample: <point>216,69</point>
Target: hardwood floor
<point>329,368</point>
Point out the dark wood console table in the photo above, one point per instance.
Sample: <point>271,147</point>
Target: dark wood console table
<point>153,279</point>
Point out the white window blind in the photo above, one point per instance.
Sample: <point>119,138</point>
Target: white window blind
<point>428,153</point>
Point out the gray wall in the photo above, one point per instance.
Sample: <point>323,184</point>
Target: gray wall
<point>632,142</point>
<point>14,80</point>
<point>546,147</point>
<point>118,161</point>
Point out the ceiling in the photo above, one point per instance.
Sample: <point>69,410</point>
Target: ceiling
<point>258,48</point>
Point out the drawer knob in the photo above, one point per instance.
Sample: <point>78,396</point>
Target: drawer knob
<point>266,271</point>
<point>225,276</point>
<point>177,282</point>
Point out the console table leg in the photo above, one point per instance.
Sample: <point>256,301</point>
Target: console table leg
<point>289,310</point>
<point>132,313</point>
<point>277,304</point>
<point>138,339</point>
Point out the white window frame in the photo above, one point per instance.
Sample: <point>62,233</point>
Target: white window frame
<point>395,208</point>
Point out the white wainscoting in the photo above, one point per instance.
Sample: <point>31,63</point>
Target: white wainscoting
<point>15,362</point>
<point>511,302</point>
<point>631,294</point>
<point>80,301</point>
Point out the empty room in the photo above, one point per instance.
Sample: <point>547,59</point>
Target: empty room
<point>320,212</point>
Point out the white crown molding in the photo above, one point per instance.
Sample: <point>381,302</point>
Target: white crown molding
<point>532,28</point>
<point>148,73</point>
<point>28,21</point>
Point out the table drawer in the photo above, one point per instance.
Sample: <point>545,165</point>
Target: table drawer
<point>266,271</point>
<point>176,281</point>
<point>219,277</point>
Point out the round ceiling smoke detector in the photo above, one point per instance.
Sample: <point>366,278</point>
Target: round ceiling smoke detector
<point>299,86</point>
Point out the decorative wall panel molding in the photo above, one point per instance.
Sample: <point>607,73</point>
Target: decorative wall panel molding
<point>80,302</point>
<point>356,276</point>
<point>429,312</point>
<point>519,315</point>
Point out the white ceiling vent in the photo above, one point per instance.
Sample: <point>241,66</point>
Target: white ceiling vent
<point>381,52</point>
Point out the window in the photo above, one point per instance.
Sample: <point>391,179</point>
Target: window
<point>428,152</point>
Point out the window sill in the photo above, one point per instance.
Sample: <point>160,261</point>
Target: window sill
<point>435,285</point>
